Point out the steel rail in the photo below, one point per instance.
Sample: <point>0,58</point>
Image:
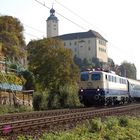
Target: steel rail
<point>39,114</point>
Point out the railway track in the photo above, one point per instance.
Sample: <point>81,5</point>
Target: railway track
<point>59,121</point>
<point>40,114</point>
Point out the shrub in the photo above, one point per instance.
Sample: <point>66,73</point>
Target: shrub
<point>5,109</point>
<point>65,96</point>
<point>111,122</point>
<point>95,125</point>
<point>123,121</point>
<point>40,100</point>
<point>68,96</point>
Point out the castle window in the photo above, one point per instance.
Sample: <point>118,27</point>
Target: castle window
<point>102,42</point>
<point>102,49</point>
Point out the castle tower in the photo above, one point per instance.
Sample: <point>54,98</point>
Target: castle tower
<point>52,24</point>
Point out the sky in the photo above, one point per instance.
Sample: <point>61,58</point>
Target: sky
<point>118,21</point>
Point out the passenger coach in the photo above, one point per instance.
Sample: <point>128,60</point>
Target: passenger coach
<point>134,89</point>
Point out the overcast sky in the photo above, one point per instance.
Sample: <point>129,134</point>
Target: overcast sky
<point>118,21</point>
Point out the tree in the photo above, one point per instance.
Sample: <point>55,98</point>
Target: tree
<point>78,61</point>
<point>53,67</point>
<point>128,70</point>
<point>96,62</point>
<point>11,36</point>
<point>51,63</point>
<point>111,64</point>
<point>30,81</point>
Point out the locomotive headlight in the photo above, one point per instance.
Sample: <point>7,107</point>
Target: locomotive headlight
<point>81,90</point>
<point>98,89</point>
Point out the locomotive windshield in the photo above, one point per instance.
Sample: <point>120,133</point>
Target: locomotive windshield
<point>84,77</point>
<point>95,76</point>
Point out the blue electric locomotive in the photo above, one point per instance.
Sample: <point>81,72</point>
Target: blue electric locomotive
<point>104,88</point>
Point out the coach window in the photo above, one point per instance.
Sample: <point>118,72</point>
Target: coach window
<point>120,80</point>
<point>124,81</point>
<point>109,77</point>
<point>112,79</point>
<point>96,76</point>
<point>106,77</point>
<point>115,79</point>
<point>84,77</point>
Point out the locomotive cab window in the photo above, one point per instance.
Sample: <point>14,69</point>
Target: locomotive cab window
<point>84,77</point>
<point>96,76</point>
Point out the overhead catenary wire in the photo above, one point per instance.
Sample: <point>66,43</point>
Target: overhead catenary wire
<point>78,25</point>
<point>31,35</point>
<point>74,13</point>
<point>121,50</point>
<point>33,28</point>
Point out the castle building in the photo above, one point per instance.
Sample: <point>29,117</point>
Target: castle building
<point>84,45</point>
<point>52,24</point>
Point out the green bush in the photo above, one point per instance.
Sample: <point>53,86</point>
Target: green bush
<point>111,122</point>
<point>95,125</point>
<point>6,109</point>
<point>68,96</point>
<point>40,100</point>
<point>24,138</point>
<point>65,96</point>
<point>123,121</point>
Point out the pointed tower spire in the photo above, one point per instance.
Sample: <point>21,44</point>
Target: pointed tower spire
<point>52,24</point>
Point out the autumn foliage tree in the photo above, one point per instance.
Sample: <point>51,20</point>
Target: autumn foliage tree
<point>52,64</point>
<point>11,37</point>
